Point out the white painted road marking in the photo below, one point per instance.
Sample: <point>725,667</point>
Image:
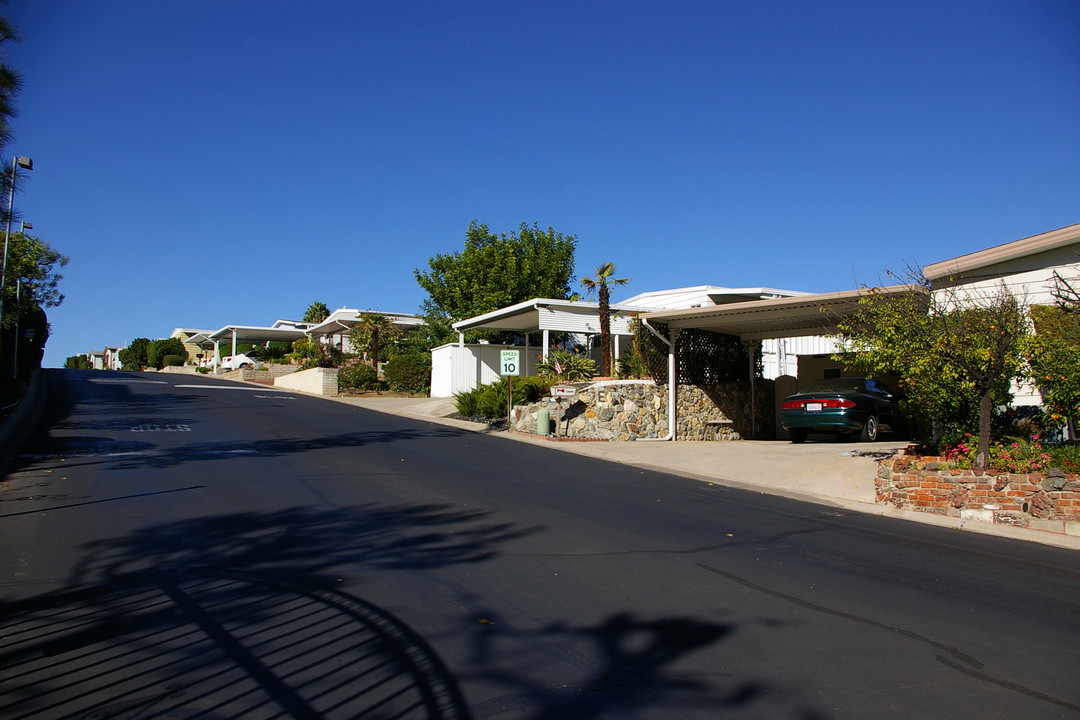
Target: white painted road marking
<point>128,381</point>
<point>167,427</point>
<point>221,387</point>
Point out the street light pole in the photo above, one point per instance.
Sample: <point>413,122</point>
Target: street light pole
<point>19,161</point>
<point>18,309</point>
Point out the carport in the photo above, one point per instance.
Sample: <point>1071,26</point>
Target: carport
<point>759,320</point>
<point>247,333</point>
<point>547,315</point>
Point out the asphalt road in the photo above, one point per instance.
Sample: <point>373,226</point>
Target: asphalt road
<point>184,547</point>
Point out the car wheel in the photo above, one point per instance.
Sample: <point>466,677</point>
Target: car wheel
<point>869,430</point>
<point>797,436</point>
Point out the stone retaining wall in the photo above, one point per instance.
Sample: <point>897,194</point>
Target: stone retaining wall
<point>1041,501</point>
<point>636,409</point>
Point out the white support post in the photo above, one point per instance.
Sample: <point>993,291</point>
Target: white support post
<point>547,342</point>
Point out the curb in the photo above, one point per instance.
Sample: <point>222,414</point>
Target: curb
<point>20,424</point>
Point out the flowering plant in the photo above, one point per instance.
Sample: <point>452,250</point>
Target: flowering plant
<point>1020,456</point>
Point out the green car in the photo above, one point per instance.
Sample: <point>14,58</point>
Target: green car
<point>844,407</point>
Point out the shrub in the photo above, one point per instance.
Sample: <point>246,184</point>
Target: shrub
<point>310,354</point>
<point>133,356</point>
<point>632,365</point>
<point>567,367</point>
<point>408,373</point>
<point>1019,455</point>
<point>358,376</point>
<point>78,362</point>
<point>172,361</point>
<point>156,351</point>
<point>489,401</point>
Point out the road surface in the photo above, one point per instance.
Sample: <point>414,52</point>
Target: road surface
<point>175,546</point>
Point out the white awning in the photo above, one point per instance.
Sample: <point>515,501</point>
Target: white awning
<point>777,318</point>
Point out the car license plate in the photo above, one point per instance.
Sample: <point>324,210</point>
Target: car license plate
<point>813,407</point>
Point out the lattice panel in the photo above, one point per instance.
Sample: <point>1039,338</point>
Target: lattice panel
<point>654,352</point>
<point>702,357</point>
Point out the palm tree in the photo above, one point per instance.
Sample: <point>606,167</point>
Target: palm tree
<point>316,312</point>
<point>601,285</point>
<point>375,329</point>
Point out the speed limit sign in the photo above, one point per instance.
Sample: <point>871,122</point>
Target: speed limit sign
<point>511,362</point>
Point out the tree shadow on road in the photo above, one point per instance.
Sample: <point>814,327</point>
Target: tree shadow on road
<point>239,613</point>
<point>244,615</point>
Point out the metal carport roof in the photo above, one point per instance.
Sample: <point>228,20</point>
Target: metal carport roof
<point>249,334</point>
<point>778,318</point>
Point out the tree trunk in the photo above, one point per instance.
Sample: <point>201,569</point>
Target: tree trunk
<point>605,333</point>
<point>982,452</point>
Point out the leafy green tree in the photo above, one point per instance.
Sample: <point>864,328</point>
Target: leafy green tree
<point>78,362</point>
<point>955,356</point>
<point>32,277</point>
<point>10,84</point>
<point>1053,355</point>
<point>496,270</point>
<point>133,357</point>
<point>601,284</point>
<point>316,312</point>
<point>158,349</point>
<point>422,338</point>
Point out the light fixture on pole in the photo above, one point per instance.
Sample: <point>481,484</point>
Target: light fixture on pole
<point>19,161</point>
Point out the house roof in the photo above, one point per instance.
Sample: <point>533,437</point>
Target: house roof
<point>343,319</point>
<point>703,295</point>
<point>1062,237</point>
<point>548,314</point>
<point>774,318</point>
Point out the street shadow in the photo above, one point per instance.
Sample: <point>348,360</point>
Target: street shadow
<point>134,455</point>
<point>638,666</point>
<point>244,615</point>
<point>217,645</point>
<point>240,613</point>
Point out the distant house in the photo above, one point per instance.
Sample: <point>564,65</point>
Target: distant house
<point>335,329</point>
<point>112,357</point>
<point>188,337</point>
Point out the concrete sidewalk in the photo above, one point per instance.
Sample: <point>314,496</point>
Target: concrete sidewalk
<point>839,474</point>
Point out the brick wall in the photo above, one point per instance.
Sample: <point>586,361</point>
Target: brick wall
<point>1043,501</point>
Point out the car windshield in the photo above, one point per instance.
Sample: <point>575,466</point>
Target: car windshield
<point>836,385</point>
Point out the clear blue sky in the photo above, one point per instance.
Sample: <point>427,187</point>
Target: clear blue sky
<point>206,162</point>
